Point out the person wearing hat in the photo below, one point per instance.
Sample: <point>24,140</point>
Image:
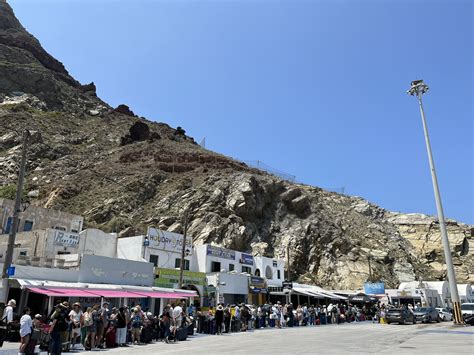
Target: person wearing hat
<point>76,318</point>
<point>219,317</point>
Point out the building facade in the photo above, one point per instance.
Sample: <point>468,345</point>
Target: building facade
<point>38,218</point>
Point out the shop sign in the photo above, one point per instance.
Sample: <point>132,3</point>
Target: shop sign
<point>167,241</point>
<point>246,259</point>
<point>258,290</point>
<point>171,277</point>
<point>220,252</point>
<point>287,285</point>
<point>374,288</point>
<point>257,281</point>
<point>66,239</point>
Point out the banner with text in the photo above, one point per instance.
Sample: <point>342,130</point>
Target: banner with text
<point>168,241</point>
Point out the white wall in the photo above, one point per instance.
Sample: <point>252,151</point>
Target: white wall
<point>130,248</point>
<point>262,263</point>
<point>97,242</point>
<point>234,283</point>
<point>205,261</point>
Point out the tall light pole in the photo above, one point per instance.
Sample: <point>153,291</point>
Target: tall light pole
<point>16,215</point>
<point>418,88</point>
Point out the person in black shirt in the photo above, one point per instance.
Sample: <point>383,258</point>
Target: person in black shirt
<point>121,335</point>
<point>219,318</point>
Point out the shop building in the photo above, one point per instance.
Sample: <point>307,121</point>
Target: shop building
<point>163,249</point>
<point>38,218</point>
<point>270,268</point>
<point>98,279</point>
<point>56,248</point>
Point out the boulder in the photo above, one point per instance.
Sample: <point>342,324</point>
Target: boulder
<point>124,109</point>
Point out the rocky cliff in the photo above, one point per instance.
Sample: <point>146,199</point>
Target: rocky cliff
<point>124,173</point>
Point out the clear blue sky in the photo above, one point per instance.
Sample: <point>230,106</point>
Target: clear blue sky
<point>313,88</point>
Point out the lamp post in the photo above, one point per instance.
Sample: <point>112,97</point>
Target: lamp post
<point>418,88</point>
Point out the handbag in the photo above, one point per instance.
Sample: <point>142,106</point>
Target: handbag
<point>35,334</point>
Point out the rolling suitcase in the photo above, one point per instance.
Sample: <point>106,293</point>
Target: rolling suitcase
<point>110,338</point>
<point>182,334</point>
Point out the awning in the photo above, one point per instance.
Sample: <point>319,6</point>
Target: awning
<point>63,292</point>
<point>114,294</point>
<point>77,292</point>
<point>153,294</point>
<point>305,292</point>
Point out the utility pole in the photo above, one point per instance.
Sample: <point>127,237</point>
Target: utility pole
<point>183,250</point>
<point>288,272</point>
<point>370,269</point>
<point>16,214</point>
<point>418,88</point>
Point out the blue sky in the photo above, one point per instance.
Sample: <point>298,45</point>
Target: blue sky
<point>312,88</point>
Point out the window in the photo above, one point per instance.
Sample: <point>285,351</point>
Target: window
<point>275,264</point>
<point>64,252</point>
<point>177,264</point>
<point>28,226</point>
<point>59,228</point>
<point>215,266</point>
<point>8,227</point>
<point>246,269</point>
<point>154,259</point>
<point>23,253</point>
<point>74,231</point>
<point>231,267</point>
<point>278,275</point>
<point>257,272</point>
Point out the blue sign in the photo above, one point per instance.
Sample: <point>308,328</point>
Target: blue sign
<point>220,252</point>
<point>11,271</point>
<point>374,288</point>
<point>257,281</point>
<point>246,259</point>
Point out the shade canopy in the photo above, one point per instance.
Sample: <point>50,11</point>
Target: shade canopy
<point>109,293</point>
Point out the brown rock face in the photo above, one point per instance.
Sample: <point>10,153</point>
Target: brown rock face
<point>76,163</point>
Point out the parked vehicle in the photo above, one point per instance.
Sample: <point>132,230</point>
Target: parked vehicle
<point>444,314</point>
<point>427,314</point>
<point>467,309</point>
<point>400,316</point>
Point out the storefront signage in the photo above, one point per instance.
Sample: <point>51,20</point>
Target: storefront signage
<point>257,281</point>
<point>287,285</point>
<point>220,252</point>
<point>246,259</point>
<point>101,269</point>
<point>167,241</point>
<point>170,277</point>
<point>66,239</point>
<point>258,290</point>
<point>374,288</point>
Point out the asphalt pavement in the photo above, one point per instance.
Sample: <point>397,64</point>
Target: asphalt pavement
<point>354,338</point>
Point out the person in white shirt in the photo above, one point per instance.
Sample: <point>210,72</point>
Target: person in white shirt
<point>26,324</point>
<point>76,322</point>
<point>8,312</point>
<point>176,314</point>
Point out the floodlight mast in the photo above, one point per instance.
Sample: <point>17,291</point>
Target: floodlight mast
<point>418,88</point>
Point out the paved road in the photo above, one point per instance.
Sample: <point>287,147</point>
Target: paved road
<point>355,338</point>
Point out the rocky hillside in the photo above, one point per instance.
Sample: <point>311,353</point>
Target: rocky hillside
<point>124,173</point>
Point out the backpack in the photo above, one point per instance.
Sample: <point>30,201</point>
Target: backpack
<point>61,324</point>
<point>137,321</point>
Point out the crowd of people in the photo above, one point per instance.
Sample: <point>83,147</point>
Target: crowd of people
<point>227,318</point>
<point>72,327</point>
<point>103,326</point>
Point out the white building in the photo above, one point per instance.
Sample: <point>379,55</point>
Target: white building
<point>432,293</point>
<point>161,248</point>
<point>272,269</point>
<point>56,248</point>
<point>465,293</point>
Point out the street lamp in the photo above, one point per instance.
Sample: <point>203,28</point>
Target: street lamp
<point>418,88</point>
